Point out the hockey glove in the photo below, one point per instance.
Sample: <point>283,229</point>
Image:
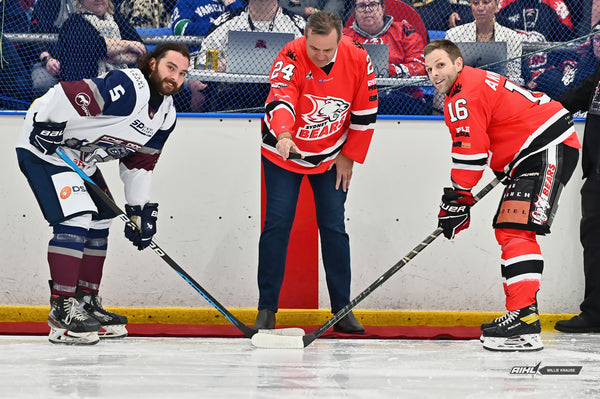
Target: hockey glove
<point>145,219</point>
<point>47,136</point>
<point>454,213</point>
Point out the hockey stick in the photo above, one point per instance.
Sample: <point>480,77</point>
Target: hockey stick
<point>247,331</point>
<point>274,341</point>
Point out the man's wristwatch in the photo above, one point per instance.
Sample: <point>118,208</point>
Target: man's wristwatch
<point>45,59</point>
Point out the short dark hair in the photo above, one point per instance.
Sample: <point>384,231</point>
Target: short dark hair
<point>443,44</point>
<point>323,22</point>
<point>159,52</point>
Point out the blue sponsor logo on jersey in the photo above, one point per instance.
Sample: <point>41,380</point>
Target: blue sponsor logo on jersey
<point>141,128</point>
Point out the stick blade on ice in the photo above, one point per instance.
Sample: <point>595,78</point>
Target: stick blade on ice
<point>261,340</point>
<point>290,332</point>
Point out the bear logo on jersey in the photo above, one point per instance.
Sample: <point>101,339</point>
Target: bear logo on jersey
<point>325,109</point>
<point>327,117</point>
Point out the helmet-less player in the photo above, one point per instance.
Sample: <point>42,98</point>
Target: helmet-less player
<point>530,141</point>
<point>124,115</point>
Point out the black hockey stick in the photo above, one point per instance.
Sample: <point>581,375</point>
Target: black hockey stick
<point>91,185</point>
<point>275,341</point>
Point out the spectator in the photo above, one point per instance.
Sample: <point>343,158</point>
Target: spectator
<point>96,40</point>
<point>261,16</point>
<point>581,12</point>
<point>15,79</point>
<point>442,14</point>
<point>197,17</point>
<point>584,97</point>
<point>485,29</point>
<point>15,87</point>
<point>535,16</point>
<point>373,25</point>
<point>306,8</point>
<point>144,13</point>
<point>540,21</point>
<point>48,16</point>
<point>572,68</point>
<point>329,126</point>
<point>559,7</point>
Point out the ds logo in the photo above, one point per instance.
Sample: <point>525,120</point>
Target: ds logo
<point>68,190</point>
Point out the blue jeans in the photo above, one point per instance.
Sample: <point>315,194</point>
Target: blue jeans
<point>282,188</point>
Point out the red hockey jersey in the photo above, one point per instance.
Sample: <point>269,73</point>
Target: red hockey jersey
<point>325,113</point>
<point>405,45</point>
<point>497,122</point>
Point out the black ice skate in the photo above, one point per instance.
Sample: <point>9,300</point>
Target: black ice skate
<point>495,322</point>
<point>519,331</point>
<point>69,324</point>
<point>113,325</point>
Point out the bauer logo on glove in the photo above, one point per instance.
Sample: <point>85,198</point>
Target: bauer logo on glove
<point>46,136</point>
<point>145,224</point>
<point>455,214</point>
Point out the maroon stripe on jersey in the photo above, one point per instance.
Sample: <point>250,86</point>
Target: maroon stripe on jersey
<point>81,97</point>
<point>140,161</point>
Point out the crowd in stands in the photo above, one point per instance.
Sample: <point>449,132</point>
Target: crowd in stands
<point>74,39</point>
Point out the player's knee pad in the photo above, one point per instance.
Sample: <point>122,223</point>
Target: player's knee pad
<point>516,242</point>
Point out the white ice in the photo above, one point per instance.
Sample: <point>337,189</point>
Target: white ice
<point>31,367</point>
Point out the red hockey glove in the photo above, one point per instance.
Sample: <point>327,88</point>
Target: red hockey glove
<point>455,213</point>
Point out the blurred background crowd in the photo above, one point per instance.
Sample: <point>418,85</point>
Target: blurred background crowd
<point>545,45</point>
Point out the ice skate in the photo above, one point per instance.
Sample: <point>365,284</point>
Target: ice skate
<point>519,331</point>
<point>69,324</point>
<point>493,323</point>
<point>113,325</point>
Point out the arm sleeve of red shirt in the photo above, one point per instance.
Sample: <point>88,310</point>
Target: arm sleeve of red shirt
<point>280,107</point>
<point>470,141</point>
<point>363,114</point>
<point>413,45</point>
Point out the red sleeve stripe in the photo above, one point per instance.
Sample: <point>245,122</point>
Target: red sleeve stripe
<point>81,96</point>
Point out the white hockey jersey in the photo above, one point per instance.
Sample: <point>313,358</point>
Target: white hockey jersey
<point>109,117</point>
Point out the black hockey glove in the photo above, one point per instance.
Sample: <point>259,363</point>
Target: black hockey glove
<point>145,219</point>
<point>454,213</point>
<point>46,136</point>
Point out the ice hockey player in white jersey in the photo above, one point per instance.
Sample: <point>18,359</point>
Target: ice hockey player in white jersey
<point>126,115</point>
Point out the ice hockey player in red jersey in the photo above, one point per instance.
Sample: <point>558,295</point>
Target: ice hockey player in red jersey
<point>125,115</point>
<point>321,108</point>
<point>529,141</point>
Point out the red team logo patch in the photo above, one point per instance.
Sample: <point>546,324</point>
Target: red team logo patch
<point>327,116</point>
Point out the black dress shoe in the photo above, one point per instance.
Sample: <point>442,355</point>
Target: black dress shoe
<point>578,324</point>
<point>349,325</point>
<point>265,320</point>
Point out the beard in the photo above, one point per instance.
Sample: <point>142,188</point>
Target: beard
<point>164,87</point>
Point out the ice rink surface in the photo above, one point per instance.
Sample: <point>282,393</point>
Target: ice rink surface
<point>134,367</point>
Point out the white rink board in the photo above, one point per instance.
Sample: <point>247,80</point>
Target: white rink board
<point>207,184</point>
